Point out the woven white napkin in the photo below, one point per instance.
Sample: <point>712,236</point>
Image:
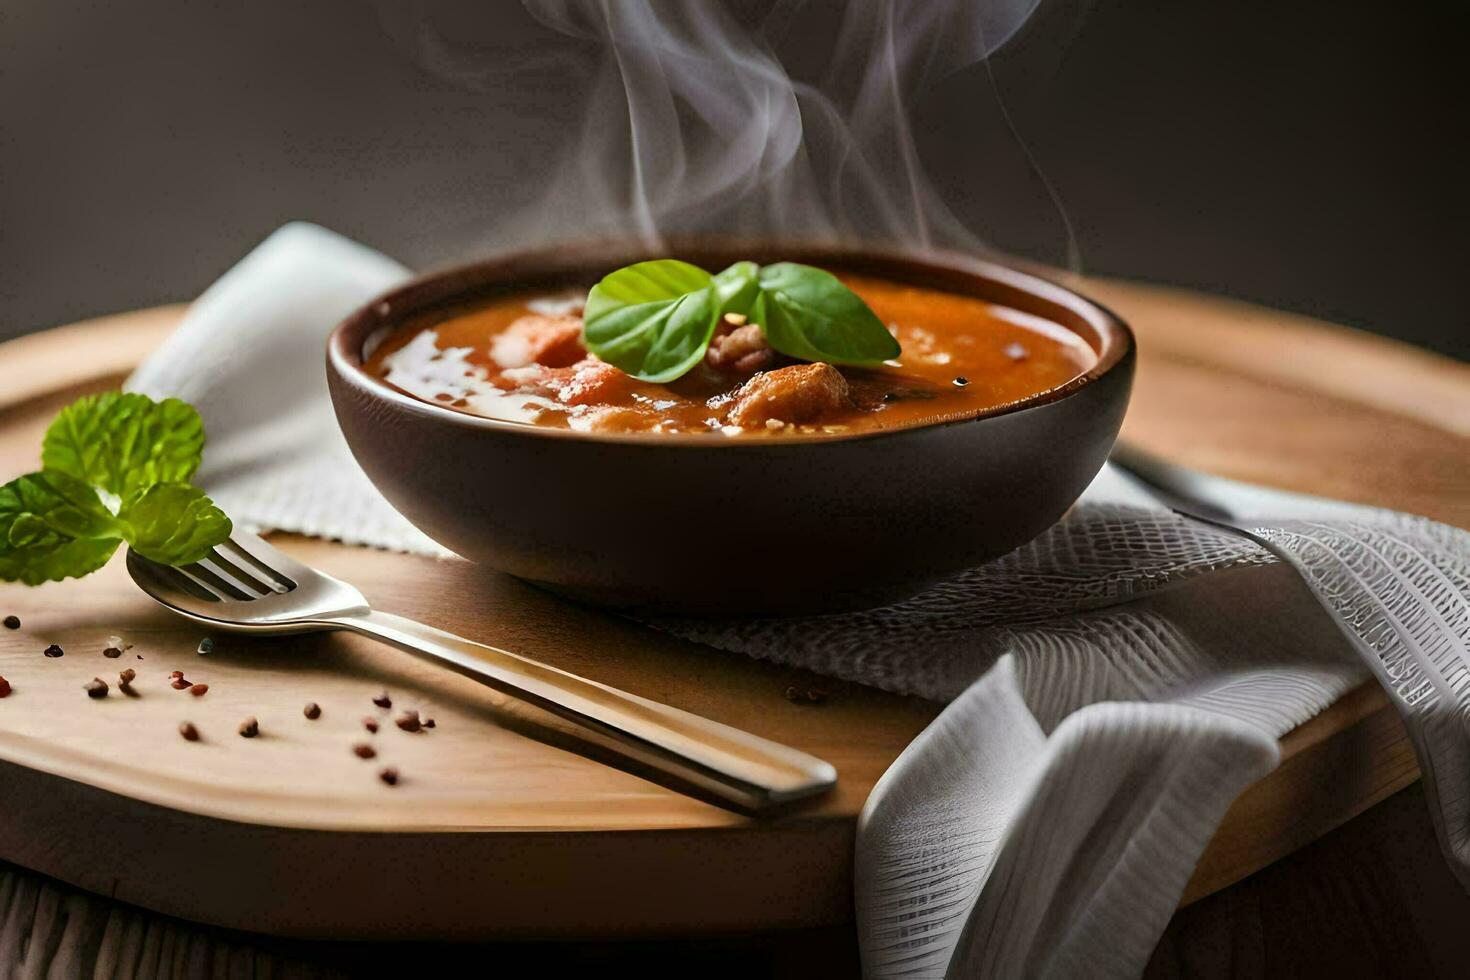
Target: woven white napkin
<point>1111,686</point>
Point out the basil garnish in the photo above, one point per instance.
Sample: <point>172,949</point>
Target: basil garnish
<point>809,314</point>
<point>655,319</point>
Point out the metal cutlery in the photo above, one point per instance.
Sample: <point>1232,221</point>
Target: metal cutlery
<point>246,585</point>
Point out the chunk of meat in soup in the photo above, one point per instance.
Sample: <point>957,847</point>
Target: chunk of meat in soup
<point>799,394</point>
<point>553,341</point>
<point>739,348</point>
<point>587,382</point>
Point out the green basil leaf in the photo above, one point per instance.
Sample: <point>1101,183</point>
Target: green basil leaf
<point>123,442</point>
<point>173,523</point>
<point>53,526</point>
<point>653,320</point>
<point>738,287</point>
<point>809,314</point>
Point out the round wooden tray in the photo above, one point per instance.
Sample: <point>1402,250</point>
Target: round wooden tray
<point>505,826</point>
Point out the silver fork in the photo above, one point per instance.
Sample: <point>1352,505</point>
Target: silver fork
<point>248,586</point>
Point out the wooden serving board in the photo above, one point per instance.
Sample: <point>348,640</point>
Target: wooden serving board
<point>503,825</point>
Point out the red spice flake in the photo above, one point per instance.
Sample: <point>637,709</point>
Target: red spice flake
<point>409,721</point>
<point>175,674</point>
<point>383,701</point>
<point>199,690</point>
<point>96,688</point>
<point>54,651</point>
<point>389,775</point>
<point>312,711</point>
<point>371,724</point>
<point>127,675</point>
<point>4,688</point>
<point>364,751</point>
<point>12,622</point>
<point>249,728</point>
<point>190,733</point>
<point>179,683</point>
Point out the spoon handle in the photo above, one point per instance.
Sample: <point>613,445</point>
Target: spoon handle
<point>746,770</point>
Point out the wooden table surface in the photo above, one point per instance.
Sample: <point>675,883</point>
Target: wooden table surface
<point>292,823</point>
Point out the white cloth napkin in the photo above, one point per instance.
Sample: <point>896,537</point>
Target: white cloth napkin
<point>1111,687</point>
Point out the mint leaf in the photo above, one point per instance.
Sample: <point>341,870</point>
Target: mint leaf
<point>809,314</point>
<point>136,452</point>
<point>53,526</point>
<point>173,523</point>
<point>653,320</point>
<point>125,442</point>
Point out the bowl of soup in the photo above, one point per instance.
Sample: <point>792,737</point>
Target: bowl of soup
<point>755,484</point>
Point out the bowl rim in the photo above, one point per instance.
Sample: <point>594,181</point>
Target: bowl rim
<point>459,283</point>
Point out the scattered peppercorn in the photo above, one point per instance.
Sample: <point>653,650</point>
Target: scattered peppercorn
<point>364,751</point>
<point>206,645</point>
<point>389,776</point>
<point>4,688</point>
<point>409,721</point>
<point>12,622</point>
<point>199,690</point>
<point>961,381</point>
<point>249,728</point>
<point>312,711</point>
<point>383,701</point>
<point>127,675</point>
<point>428,723</point>
<point>179,683</point>
<point>96,688</point>
<point>806,695</point>
<point>371,724</point>
<point>111,653</point>
<point>190,733</point>
<point>54,651</point>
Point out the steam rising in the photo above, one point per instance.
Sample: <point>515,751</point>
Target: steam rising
<point>692,122</point>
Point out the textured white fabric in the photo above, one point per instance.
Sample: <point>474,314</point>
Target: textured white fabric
<point>1112,686</point>
<point>250,355</point>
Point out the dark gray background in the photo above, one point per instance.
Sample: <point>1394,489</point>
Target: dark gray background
<point>1302,155</point>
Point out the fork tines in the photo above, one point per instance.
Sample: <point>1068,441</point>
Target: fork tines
<point>234,572</point>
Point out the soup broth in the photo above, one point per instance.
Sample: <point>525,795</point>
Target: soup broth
<point>520,359</point>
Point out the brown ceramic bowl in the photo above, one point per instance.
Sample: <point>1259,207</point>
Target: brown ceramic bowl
<point>697,524</point>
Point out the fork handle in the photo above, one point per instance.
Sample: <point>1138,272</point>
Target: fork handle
<point>749,771</point>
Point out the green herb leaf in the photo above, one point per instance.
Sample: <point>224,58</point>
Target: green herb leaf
<point>738,287</point>
<point>173,523</point>
<point>809,314</point>
<point>653,320</point>
<point>53,526</point>
<point>123,442</point>
<point>125,449</point>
